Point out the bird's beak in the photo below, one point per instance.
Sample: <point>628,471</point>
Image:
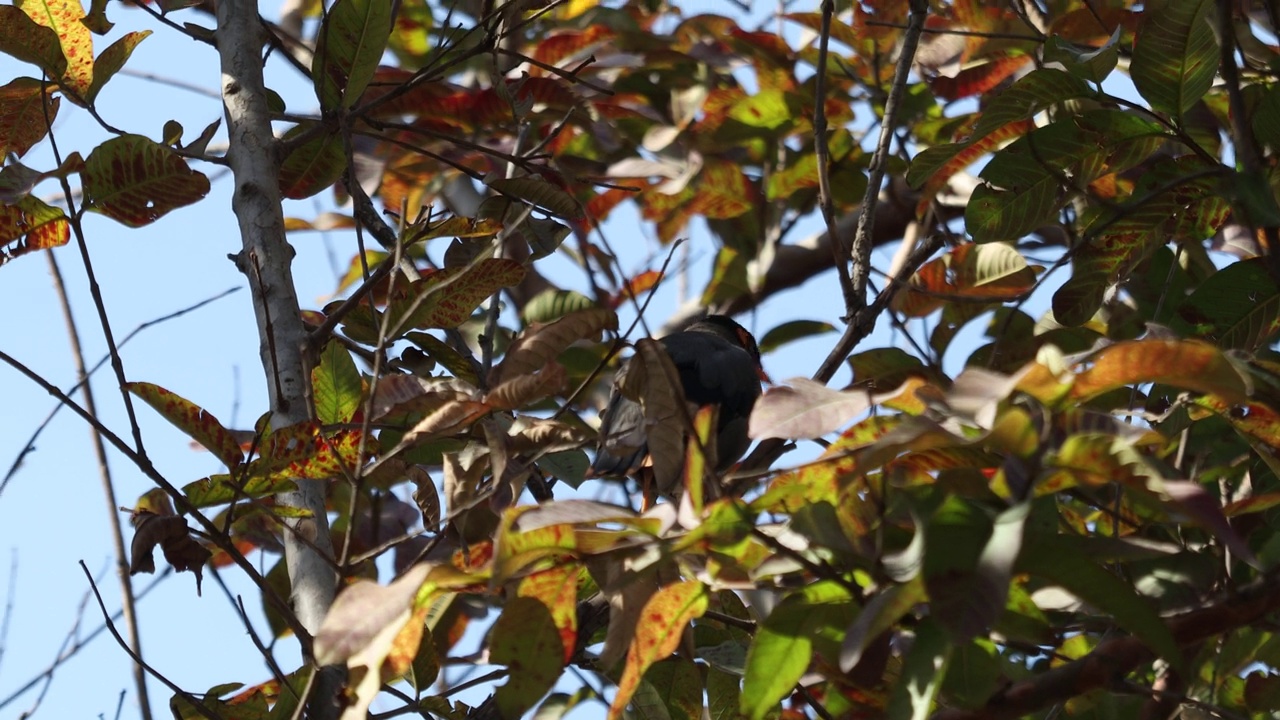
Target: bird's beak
<point>764,376</point>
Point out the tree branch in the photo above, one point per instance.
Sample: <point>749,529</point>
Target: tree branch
<point>265,259</point>
<point>1115,658</point>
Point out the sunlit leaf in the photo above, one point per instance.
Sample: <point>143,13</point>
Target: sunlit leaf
<point>336,385</point>
<point>665,616</point>
<point>111,60</point>
<point>195,421</point>
<point>784,645</point>
<point>31,225</point>
<point>22,38</point>
<point>64,17</point>
<point>135,181</point>
<point>1183,363</point>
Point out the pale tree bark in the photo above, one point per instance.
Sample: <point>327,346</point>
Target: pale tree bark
<point>265,259</point>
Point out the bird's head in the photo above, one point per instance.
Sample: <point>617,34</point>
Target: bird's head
<point>727,328</point>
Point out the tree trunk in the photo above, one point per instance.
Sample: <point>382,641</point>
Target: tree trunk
<point>265,259</point>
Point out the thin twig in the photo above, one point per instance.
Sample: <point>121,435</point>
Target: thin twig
<point>29,446</point>
<point>108,488</point>
<point>77,229</point>
<point>70,648</point>
<point>822,151</point>
<point>8,603</point>
<point>144,464</point>
<point>860,253</point>
<point>111,626</point>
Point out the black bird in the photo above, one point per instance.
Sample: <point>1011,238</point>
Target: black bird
<point>719,364</point>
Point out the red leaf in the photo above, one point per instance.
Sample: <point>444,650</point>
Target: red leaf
<point>199,424</point>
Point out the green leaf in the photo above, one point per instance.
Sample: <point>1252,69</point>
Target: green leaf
<point>923,671</point>
<point>1175,54</point>
<point>766,110</point>
<point>784,644</point>
<point>1031,94</point>
<point>540,192</point>
<point>526,640</point>
<point>676,685</point>
<point>789,332</point>
<point>1236,307</point>
<point>723,693</point>
<point>111,60</point>
<point>312,165</point>
<point>336,385</point>
<point>551,304</point>
<point>1028,181</point>
<point>135,181</point>
<point>1092,64</point>
<point>23,119</point>
<point>1056,559</point>
<point>879,614</point>
<point>352,39</point>
<point>22,38</point>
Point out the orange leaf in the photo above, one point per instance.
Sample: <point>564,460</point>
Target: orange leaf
<point>557,588</point>
<point>1189,364</point>
<point>966,157</point>
<point>63,17</point>
<point>662,622</point>
<point>199,424</point>
<point>31,225</point>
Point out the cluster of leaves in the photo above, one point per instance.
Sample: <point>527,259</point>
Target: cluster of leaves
<point>983,543</point>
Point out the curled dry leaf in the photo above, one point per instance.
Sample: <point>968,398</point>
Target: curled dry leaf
<point>425,495</point>
<point>540,344</point>
<point>805,409</point>
<point>522,390</point>
<point>651,379</point>
<point>530,434</point>
<point>172,534</point>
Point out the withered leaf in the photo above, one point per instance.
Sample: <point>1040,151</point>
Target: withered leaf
<point>173,536</point>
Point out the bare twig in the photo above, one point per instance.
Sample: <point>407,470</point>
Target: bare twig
<point>8,602</point>
<point>77,229</point>
<point>108,488</point>
<point>145,466</point>
<point>111,626</point>
<point>29,446</point>
<point>822,150</point>
<point>860,252</point>
<point>73,644</point>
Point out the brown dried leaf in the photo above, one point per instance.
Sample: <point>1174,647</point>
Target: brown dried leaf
<point>173,536</point>
<point>540,344</point>
<point>364,611</point>
<point>522,390</point>
<point>426,496</point>
<point>652,380</point>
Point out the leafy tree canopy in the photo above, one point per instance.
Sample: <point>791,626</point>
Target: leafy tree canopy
<point>1081,520</point>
